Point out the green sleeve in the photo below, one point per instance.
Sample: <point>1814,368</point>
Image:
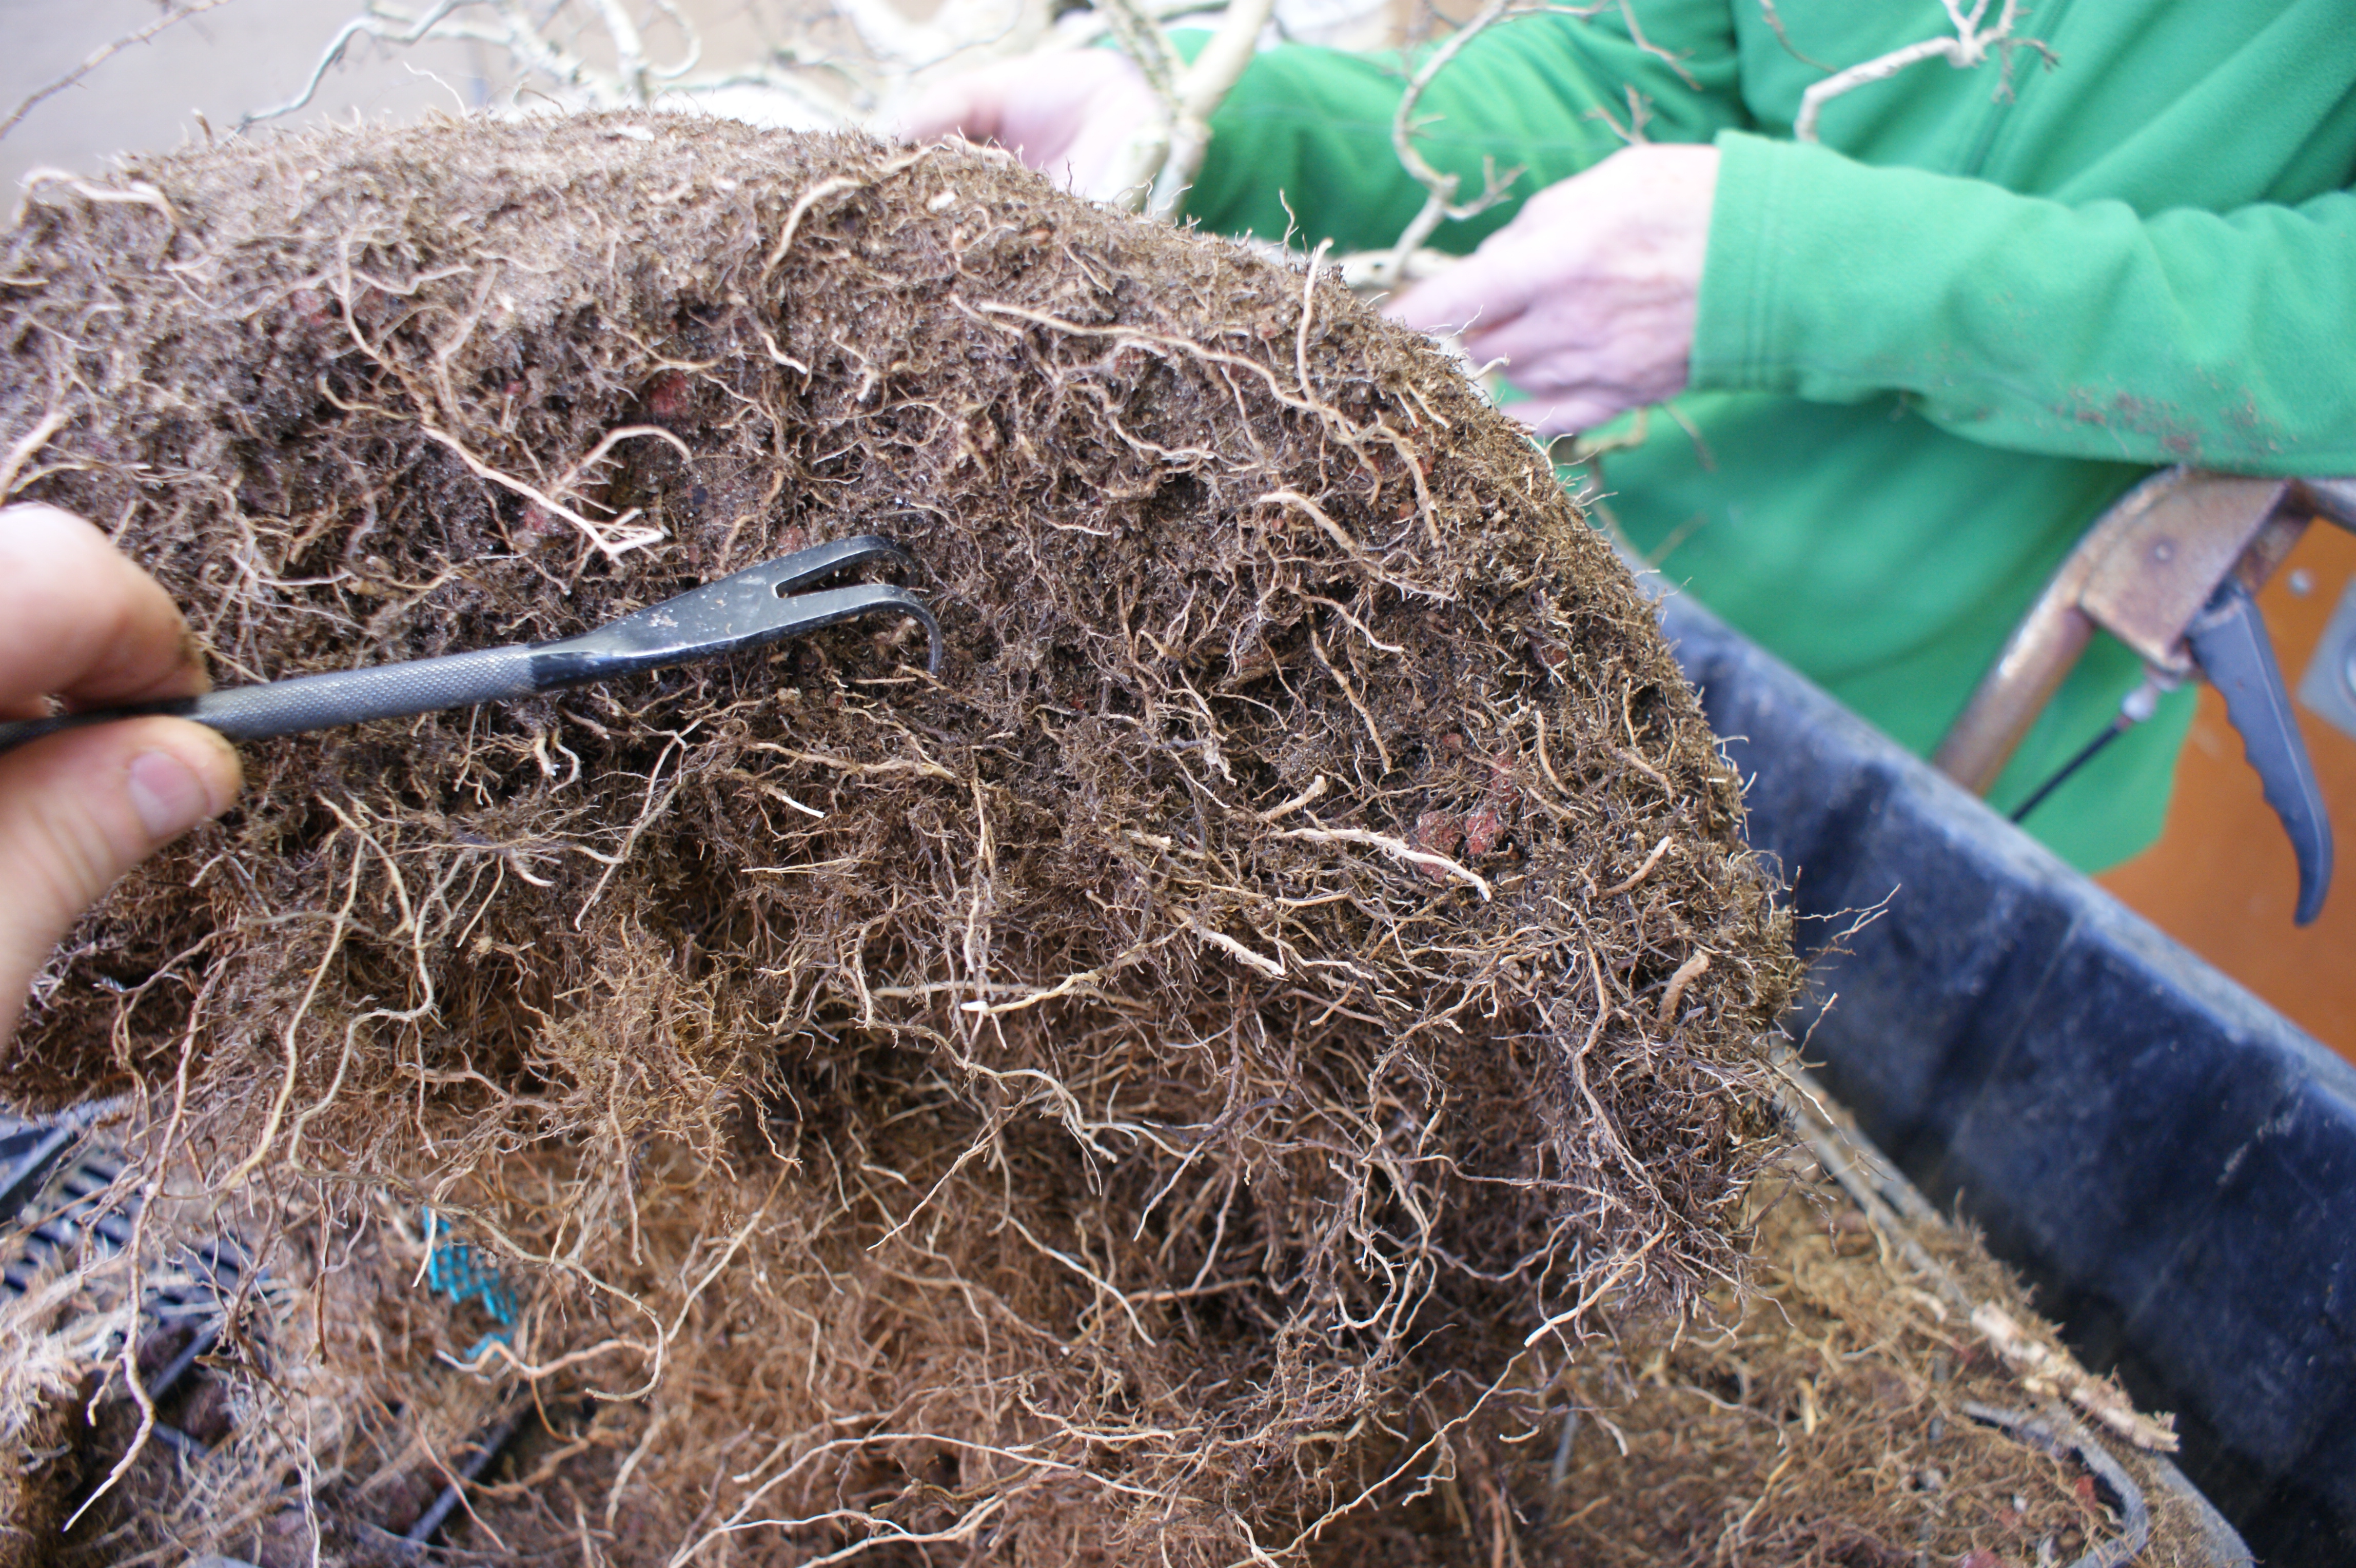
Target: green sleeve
<point>2032,324</point>
<point>1302,145</point>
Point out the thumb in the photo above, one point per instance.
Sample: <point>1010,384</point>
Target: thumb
<point>80,809</point>
<point>974,103</point>
<point>961,105</point>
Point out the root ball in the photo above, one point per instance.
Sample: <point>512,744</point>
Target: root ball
<point>1075,1104</point>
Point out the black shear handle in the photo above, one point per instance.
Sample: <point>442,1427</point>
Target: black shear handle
<point>323,702</point>
<point>2229,640</point>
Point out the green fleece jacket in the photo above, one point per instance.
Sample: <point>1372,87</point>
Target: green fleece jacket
<point>1932,348</point>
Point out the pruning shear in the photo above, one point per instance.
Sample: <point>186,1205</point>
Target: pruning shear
<point>2170,570</point>
<point>744,609</point>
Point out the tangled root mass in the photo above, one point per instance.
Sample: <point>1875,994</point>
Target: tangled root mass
<point>1297,951</point>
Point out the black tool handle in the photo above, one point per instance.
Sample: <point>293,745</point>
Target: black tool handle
<point>2230,640</point>
<point>322,701</point>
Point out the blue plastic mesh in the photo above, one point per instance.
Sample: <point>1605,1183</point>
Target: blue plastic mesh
<point>461,1271</point>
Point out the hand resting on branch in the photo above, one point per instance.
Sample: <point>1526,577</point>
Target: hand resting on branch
<point>1588,294</point>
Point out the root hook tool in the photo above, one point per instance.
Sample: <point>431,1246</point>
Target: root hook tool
<point>744,609</point>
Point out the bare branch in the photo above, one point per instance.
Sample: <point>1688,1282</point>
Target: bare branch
<point>900,47</point>
<point>1200,91</point>
<point>1966,49</point>
<point>1636,36</point>
<point>369,25</point>
<point>629,50</point>
<point>1142,39</point>
<point>689,36</point>
<point>1439,198</point>
<point>1776,22</point>
<point>104,52</point>
<point>1159,164</point>
<point>523,32</point>
<point>1882,66</point>
<point>1639,113</point>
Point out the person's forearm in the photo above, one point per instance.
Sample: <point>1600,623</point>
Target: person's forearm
<point>2086,332</point>
<point>1303,144</point>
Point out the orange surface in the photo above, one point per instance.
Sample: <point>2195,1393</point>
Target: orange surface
<point>2221,879</point>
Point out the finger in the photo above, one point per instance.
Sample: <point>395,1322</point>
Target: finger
<point>1545,350</point>
<point>78,620</point>
<point>1098,157</point>
<point>1473,295</point>
<point>78,809</point>
<point>1515,267</point>
<point>976,104</point>
<point>1563,416</point>
<point>961,106</point>
<point>952,108</point>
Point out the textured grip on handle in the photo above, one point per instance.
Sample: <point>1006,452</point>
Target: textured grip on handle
<point>379,692</point>
<point>2230,640</point>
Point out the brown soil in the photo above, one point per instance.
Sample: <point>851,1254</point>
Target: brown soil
<point>1082,1107</point>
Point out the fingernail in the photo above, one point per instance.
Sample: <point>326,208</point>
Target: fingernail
<point>169,798</point>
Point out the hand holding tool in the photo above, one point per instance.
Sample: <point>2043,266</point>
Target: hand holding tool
<point>744,609</point>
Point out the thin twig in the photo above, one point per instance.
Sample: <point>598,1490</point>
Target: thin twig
<point>369,26</point>
<point>1776,23</point>
<point>1142,39</point>
<point>1439,198</point>
<point>104,52</point>
<point>1202,88</point>
<point>1966,49</point>
<point>516,29</point>
<point>1636,36</point>
<point>629,50</point>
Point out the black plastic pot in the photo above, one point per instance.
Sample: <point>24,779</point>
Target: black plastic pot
<point>2169,1161</point>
